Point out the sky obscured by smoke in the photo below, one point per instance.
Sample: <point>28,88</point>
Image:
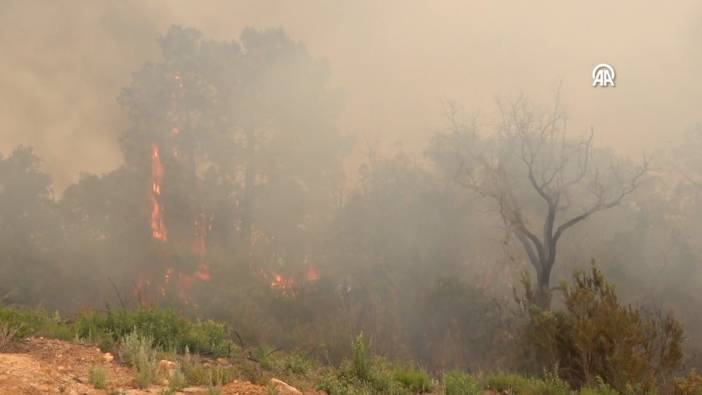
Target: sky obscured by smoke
<point>63,64</point>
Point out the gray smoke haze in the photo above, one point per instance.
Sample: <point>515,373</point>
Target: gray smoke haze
<point>292,167</point>
<point>63,63</point>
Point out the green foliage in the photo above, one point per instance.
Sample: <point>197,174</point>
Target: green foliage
<point>97,376</point>
<point>415,380</point>
<point>459,383</point>
<point>600,389</point>
<point>198,373</point>
<point>550,384</point>
<point>137,350</point>
<point>177,380</point>
<point>296,363</point>
<point>362,359</point>
<point>507,382</point>
<point>596,336</point>
<point>365,373</point>
<point>167,328</point>
<point>26,322</point>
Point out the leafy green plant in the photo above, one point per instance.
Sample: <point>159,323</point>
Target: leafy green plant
<point>415,380</point>
<point>137,350</point>
<point>197,373</point>
<point>296,363</point>
<point>167,328</point>
<point>26,322</point>
<point>177,381</point>
<point>460,383</point>
<point>362,358</point>
<point>97,376</point>
<point>600,389</point>
<point>503,382</point>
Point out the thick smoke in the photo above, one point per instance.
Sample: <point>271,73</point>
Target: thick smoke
<point>310,170</point>
<point>63,65</point>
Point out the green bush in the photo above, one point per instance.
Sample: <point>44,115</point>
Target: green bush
<point>365,373</point>
<point>362,359</point>
<point>97,376</point>
<point>197,373</point>
<point>507,382</point>
<point>177,381</point>
<point>596,336</point>
<point>459,383</point>
<point>415,380</point>
<point>296,363</point>
<point>26,322</point>
<point>600,389</point>
<point>168,329</point>
<point>137,350</point>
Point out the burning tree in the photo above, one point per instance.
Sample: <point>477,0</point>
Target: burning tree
<point>233,141</point>
<point>532,158</point>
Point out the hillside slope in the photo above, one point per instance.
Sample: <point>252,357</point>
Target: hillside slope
<point>49,366</point>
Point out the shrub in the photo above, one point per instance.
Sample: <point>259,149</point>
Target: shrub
<point>196,373</point>
<point>177,380</point>
<point>362,359</point>
<point>97,376</point>
<point>507,382</point>
<point>551,384</point>
<point>459,383</point>
<point>601,389</point>
<point>167,328</point>
<point>7,336</point>
<point>596,336</point>
<point>26,322</point>
<point>296,363</point>
<point>415,380</point>
<point>138,352</point>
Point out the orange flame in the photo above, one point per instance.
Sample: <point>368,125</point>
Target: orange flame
<point>158,227</point>
<point>203,225</point>
<point>312,274</point>
<point>182,282</point>
<point>286,285</point>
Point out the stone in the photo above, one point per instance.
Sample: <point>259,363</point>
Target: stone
<point>285,388</point>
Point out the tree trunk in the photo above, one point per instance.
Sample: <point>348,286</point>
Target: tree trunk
<point>543,288</point>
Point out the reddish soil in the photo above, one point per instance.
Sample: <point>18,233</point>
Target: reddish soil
<point>48,366</point>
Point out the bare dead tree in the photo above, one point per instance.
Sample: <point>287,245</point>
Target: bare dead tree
<point>534,152</point>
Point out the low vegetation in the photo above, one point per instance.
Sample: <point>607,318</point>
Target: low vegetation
<point>7,336</point>
<point>593,345</point>
<point>97,376</point>
<point>597,338</point>
<point>167,328</point>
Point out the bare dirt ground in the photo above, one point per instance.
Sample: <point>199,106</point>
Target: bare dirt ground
<point>48,366</point>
